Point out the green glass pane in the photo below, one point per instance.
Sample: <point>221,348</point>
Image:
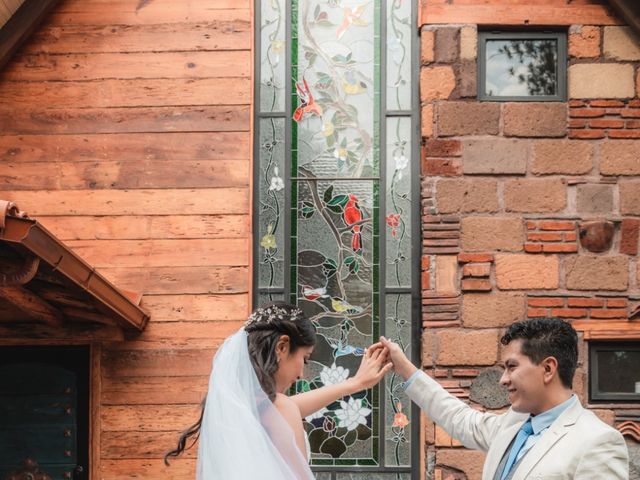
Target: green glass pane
<point>271,209</point>
<point>399,27</point>
<point>335,93</point>
<point>398,202</point>
<point>273,55</point>
<point>397,422</point>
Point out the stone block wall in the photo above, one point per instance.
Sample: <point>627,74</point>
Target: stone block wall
<point>529,209</point>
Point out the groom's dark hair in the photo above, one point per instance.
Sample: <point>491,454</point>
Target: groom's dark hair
<point>547,337</point>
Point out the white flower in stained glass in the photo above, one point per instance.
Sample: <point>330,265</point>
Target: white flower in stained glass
<point>341,153</point>
<point>319,414</point>
<point>333,375</point>
<point>352,414</point>
<point>277,183</point>
<point>401,162</point>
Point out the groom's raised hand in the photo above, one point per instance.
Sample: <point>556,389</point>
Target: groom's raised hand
<point>401,364</point>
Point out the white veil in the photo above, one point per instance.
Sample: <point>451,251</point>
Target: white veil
<point>243,436</point>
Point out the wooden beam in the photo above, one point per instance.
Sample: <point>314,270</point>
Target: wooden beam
<point>514,12</point>
<point>608,329</point>
<point>32,304</point>
<point>629,10</point>
<point>21,25</point>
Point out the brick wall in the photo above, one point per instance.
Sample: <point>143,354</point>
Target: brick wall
<point>529,209</point>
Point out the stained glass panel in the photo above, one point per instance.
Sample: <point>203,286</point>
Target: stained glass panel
<point>336,273</point>
<point>272,209</point>
<point>337,87</point>
<point>398,406</point>
<point>399,54</point>
<point>398,202</point>
<point>273,53</point>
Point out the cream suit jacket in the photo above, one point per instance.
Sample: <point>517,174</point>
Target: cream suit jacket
<point>577,445</point>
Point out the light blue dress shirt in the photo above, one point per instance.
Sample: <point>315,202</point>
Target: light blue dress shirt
<point>540,422</point>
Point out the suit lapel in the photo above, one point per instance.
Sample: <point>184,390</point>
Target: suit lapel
<point>498,447</point>
<point>557,430</point>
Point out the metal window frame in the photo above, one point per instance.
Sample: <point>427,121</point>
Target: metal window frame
<point>561,39</point>
<point>596,395</point>
<point>416,248</point>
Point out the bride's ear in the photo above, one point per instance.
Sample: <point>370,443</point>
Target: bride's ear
<point>282,346</point>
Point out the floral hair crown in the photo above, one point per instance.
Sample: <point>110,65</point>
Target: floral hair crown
<point>272,313</point>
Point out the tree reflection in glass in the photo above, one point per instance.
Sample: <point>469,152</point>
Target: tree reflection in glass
<point>521,68</point>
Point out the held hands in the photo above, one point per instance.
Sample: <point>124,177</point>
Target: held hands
<point>373,367</point>
<point>401,364</point>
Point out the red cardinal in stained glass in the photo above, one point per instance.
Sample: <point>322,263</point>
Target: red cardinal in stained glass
<point>352,215</point>
<point>307,103</point>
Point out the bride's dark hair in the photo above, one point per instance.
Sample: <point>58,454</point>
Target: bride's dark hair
<point>264,328</point>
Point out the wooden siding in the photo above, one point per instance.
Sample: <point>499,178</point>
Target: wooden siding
<point>517,12</point>
<point>125,128</point>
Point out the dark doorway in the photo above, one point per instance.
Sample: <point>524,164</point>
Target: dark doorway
<point>44,411</point>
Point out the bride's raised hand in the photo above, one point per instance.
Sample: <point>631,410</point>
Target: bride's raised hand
<point>375,364</point>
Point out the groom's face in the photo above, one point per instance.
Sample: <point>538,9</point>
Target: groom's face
<point>523,379</point>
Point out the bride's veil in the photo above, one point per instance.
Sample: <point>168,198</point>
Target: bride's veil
<point>243,436</point>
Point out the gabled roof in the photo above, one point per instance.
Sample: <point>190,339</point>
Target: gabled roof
<point>21,25</point>
<point>43,281</point>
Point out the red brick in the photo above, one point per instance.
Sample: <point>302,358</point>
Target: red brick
<point>545,302</point>
<point>633,124</point>
<point>531,225</point>
<point>586,112</point>
<point>606,123</point>
<point>426,262</point>
<point>624,134</point>
<point>570,237</point>
<point>612,313</point>
<point>559,248</point>
<point>544,237</point>
<point>441,301</point>
<point>556,225</point>
<point>585,302</point>
<point>442,167</point>
<point>533,247</point>
<point>576,103</point>
<point>634,103</point>
<point>536,312</point>
<point>630,113</point>
<point>426,280</point>
<point>577,123</point>
<point>465,372</point>
<point>586,134</point>
<point>475,257</point>
<point>606,103</point>
<point>476,270</point>
<point>476,284</point>
<point>629,234</point>
<point>613,111</point>
<point>617,302</point>
<point>440,373</point>
<point>443,148</point>
<point>569,312</point>
<point>441,323</point>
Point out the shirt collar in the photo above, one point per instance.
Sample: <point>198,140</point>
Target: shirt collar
<point>545,419</point>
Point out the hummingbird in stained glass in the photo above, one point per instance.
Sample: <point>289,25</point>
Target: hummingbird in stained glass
<point>307,103</point>
<point>351,17</point>
<point>352,215</point>
<point>340,348</point>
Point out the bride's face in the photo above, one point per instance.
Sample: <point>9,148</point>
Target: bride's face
<point>290,366</point>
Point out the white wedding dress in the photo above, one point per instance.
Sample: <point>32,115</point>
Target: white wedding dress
<point>243,436</point>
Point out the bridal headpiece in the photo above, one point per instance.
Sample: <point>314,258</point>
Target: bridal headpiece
<point>272,313</point>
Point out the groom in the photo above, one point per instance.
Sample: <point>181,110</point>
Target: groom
<point>546,433</point>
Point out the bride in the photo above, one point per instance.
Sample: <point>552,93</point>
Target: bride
<point>248,427</point>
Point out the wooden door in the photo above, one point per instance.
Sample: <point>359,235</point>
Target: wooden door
<point>44,411</point>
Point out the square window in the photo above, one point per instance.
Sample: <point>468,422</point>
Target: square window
<point>614,371</point>
<point>525,67</point>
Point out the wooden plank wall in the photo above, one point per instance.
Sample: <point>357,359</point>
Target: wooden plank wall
<point>125,129</point>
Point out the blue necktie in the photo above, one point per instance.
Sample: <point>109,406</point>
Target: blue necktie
<point>525,432</point>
